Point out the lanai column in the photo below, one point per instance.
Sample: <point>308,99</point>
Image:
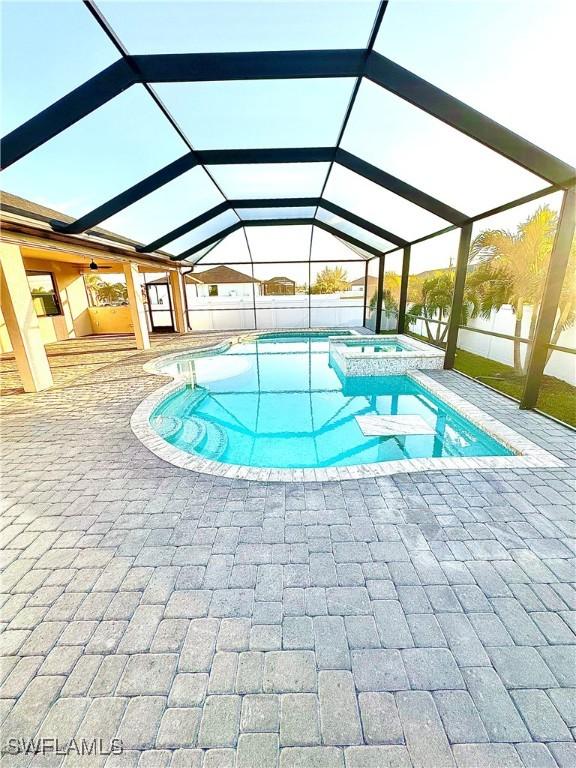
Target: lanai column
<point>22,322</point>
<point>137,310</point>
<point>177,289</point>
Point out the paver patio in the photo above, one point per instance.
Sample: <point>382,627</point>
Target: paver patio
<point>424,619</point>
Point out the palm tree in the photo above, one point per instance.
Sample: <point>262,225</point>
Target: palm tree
<point>389,303</point>
<point>514,270</point>
<point>111,293</point>
<point>92,282</point>
<point>103,292</point>
<point>435,300</point>
<point>392,282</point>
<point>435,304</point>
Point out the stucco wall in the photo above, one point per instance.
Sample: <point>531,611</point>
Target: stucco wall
<point>75,320</point>
<point>111,320</point>
<point>224,290</point>
<point>5,345</point>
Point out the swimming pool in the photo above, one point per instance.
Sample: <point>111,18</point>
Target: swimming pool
<point>274,401</point>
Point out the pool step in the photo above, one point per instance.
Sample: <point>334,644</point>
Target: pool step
<point>197,394</point>
<point>205,437</point>
<point>201,435</point>
<point>215,442</point>
<point>167,426</point>
<point>193,431</point>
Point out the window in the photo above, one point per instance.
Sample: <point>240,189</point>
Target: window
<point>44,294</point>
<point>213,290</point>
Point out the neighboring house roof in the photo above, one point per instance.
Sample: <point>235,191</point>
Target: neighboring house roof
<point>164,280</point>
<point>188,278</point>
<point>279,279</point>
<point>221,275</point>
<point>360,281</point>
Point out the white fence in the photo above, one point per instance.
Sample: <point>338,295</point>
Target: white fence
<point>298,311</point>
<point>561,365</point>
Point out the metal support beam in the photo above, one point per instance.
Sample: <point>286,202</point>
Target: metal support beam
<point>258,65</point>
<point>403,290</point>
<point>66,111</point>
<point>262,65</point>
<point>283,202</point>
<point>538,352</point>
<point>171,68</point>
<point>256,156</point>
<point>465,119</point>
<point>343,236</point>
<point>188,226</point>
<point>185,163</point>
<point>458,296</point>
<point>385,234</point>
<point>272,155</point>
<point>379,292</point>
<point>399,187</point>
<point>276,223</point>
<point>365,293</point>
<point>209,241</point>
<point>136,192</point>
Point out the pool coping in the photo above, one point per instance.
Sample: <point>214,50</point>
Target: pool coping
<point>527,453</point>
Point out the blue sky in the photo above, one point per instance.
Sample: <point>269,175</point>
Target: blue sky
<point>508,58</point>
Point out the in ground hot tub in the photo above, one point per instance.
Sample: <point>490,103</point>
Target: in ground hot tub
<point>383,355</point>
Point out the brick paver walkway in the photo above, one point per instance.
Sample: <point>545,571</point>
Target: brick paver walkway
<point>423,619</point>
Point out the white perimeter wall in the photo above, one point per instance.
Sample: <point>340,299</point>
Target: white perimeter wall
<point>222,312</point>
<point>561,364</point>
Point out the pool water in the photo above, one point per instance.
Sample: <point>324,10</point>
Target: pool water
<point>382,345</point>
<point>378,347</point>
<point>276,402</point>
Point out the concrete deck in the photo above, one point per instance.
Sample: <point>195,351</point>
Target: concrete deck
<point>422,620</point>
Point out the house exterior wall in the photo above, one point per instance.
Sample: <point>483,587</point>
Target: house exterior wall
<point>238,290</point>
<point>21,322</point>
<point>111,319</point>
<point>75,318</point>
<point>5,345</point>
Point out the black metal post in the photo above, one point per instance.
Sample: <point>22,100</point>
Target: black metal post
<point>379,292</point>
<point>458,297</point>
<point>253,292</point>
<point>310,285</point>
<point>365,294</point>
<point>538,351</point>
<point>403,290</point>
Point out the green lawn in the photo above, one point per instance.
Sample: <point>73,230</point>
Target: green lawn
<point>557,398</point>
